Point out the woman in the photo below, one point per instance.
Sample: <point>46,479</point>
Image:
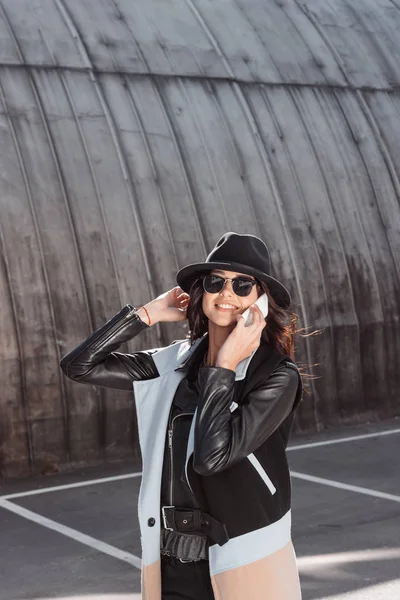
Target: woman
<point>214,417</point>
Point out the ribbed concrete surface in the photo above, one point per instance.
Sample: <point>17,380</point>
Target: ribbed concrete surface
<point>133,134</point>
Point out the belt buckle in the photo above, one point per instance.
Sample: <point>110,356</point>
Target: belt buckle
<point>184,560</point>
<point>164,518</point>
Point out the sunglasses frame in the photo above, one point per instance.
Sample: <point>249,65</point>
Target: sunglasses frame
<point>225,279</point>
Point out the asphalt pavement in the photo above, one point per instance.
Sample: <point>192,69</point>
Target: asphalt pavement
<point>75,536</point>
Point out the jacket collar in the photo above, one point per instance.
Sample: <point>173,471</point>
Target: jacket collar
<point>195,357</point>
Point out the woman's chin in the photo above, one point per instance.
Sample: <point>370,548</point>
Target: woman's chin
<point>223,320</point>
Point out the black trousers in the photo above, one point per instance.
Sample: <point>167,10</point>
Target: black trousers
<point>185,581</point>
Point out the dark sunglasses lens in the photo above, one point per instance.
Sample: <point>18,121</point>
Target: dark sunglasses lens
<point>213,284</point>
<point>242,287</point>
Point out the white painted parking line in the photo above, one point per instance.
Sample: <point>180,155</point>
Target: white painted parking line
<point>353,438</point>
<point>345,486</point>
<point>68,486</point>
<point>82,538</point>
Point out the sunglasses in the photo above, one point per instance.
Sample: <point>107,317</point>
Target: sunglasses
<point>241,286</point>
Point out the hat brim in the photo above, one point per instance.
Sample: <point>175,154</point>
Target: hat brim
<point>188,275</point>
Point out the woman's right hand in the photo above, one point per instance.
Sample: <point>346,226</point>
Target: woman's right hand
<point>169,307</point>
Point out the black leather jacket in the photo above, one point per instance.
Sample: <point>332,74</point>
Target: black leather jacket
<point>96,361</point>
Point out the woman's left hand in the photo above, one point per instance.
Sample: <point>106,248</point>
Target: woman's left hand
<point>242,341</point>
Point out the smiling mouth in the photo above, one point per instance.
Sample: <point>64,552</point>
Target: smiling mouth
<point>226,306</point>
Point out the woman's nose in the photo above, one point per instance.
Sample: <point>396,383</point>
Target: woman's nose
<point>227,287</point>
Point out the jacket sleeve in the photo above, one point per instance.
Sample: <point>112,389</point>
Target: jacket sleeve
<point>95,361</point>
<point>222,438</point>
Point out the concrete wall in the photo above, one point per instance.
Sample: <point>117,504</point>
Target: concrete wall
<point>133,134</point>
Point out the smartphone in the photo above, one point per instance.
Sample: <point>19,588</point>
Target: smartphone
<point>262,303</point>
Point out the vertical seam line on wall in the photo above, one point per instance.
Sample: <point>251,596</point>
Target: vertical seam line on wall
<point>37,229</point>
<point>102,415</point>
<point>268,170</point>
<point>236,89</point>
<point>375,127</point>
<point>330,45</point>
<point>153,166</point>
<point>297,274</point>
<point>69,212</point>
<point>124,23</point>
<point>28,430</point>
<point>238,156</point>
<point>180,153</point>
<point>216,48</point>
<point>378,55</point>
<point>359,95</point>
<point>356,208</point>
<point>161,338</point>
<point>368,177</point>
<point>91,170</point>
<point>185,169</point>
<point>355,205</point>
<point>138,118</point>
<point>321,170</point>
<point>100,405</point>
<point>149,152</point>
<point>326,187</point>
<point>306,212</point>
<point>53,318</point>
<point>395,4</point>
<point>158,328</point>
<point>256,34</point>
<point>182,85</point>
<point>112,127</point>
<point>248,114</point>
<point>390,167</point>
<point>300,33</point>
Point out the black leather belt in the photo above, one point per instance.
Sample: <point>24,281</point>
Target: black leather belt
<point>192,520</point>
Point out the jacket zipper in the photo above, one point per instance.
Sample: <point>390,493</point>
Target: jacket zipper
<point>171,456</point>
<point>111,329</point>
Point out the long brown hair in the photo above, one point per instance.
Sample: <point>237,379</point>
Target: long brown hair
<point>279,332</point>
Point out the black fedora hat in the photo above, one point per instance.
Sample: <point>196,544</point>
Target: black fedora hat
<point>241,253</point>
